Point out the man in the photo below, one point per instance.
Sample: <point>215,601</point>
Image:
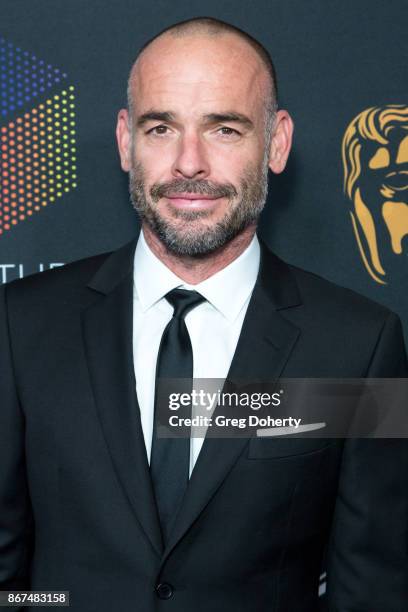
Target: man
<point>92,500</point>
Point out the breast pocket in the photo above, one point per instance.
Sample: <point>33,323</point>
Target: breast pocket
<point>279,448</point>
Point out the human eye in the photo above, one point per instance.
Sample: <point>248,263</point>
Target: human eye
<point>228,131</point>
<point>158,130</point>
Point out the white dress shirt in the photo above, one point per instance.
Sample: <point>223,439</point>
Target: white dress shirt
<point>214,326</point>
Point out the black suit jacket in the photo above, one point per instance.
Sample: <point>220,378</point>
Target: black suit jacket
<point>77,510</point>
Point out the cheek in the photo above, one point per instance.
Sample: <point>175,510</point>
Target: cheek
<point>154,158</point>
<point>153,169</point>
<point>233,162</point>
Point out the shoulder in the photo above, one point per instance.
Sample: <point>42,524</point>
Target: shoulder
<point>336,303</point>
<point>353,332</point>
<point>318,298</point>
<point>60,282</point>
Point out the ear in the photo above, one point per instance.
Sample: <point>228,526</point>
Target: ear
<point>281,142</point>
<point>123,137</point>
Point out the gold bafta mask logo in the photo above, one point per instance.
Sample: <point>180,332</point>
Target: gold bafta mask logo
<point>375,162</point>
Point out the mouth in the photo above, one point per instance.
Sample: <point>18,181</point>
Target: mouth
<point>193,201</point>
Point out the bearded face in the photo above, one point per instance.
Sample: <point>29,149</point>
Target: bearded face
<point>195,232</point>
<point>200,133</point>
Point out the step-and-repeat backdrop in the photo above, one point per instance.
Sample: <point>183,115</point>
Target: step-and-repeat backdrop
<point>340,209</point>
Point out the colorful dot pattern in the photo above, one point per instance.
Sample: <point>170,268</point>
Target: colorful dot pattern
<point>23,77</point>
<point>38,158</point>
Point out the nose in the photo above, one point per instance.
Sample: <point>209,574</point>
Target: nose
<point>191,158</point>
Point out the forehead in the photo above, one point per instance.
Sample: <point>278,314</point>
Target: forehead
<point>198,72</point>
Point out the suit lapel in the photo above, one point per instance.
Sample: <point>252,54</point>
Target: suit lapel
<point>107,330</point>
<point>263,348</point>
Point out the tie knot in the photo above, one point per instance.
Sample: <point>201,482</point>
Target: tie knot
<point>183,301</point>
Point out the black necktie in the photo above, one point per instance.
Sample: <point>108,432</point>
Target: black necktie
<point>170,457</point>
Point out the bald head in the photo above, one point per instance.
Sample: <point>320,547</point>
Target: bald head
<point>213,29</point>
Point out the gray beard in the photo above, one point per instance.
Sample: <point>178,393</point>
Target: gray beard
<point>185,236</point>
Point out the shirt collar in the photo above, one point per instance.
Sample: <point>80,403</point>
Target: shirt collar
<point>227,290</point>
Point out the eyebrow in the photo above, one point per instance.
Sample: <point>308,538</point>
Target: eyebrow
<point>153,115</point>
<point>230,117</point>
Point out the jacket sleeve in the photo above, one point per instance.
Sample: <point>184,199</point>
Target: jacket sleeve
<point>16,523</point>
<point>368,553</point>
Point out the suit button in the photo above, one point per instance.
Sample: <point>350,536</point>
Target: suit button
<point>164,590</point>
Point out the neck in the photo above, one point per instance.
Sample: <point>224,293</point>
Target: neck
<point>194,270</point>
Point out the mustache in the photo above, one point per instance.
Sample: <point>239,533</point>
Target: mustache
<point>202,187</point>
